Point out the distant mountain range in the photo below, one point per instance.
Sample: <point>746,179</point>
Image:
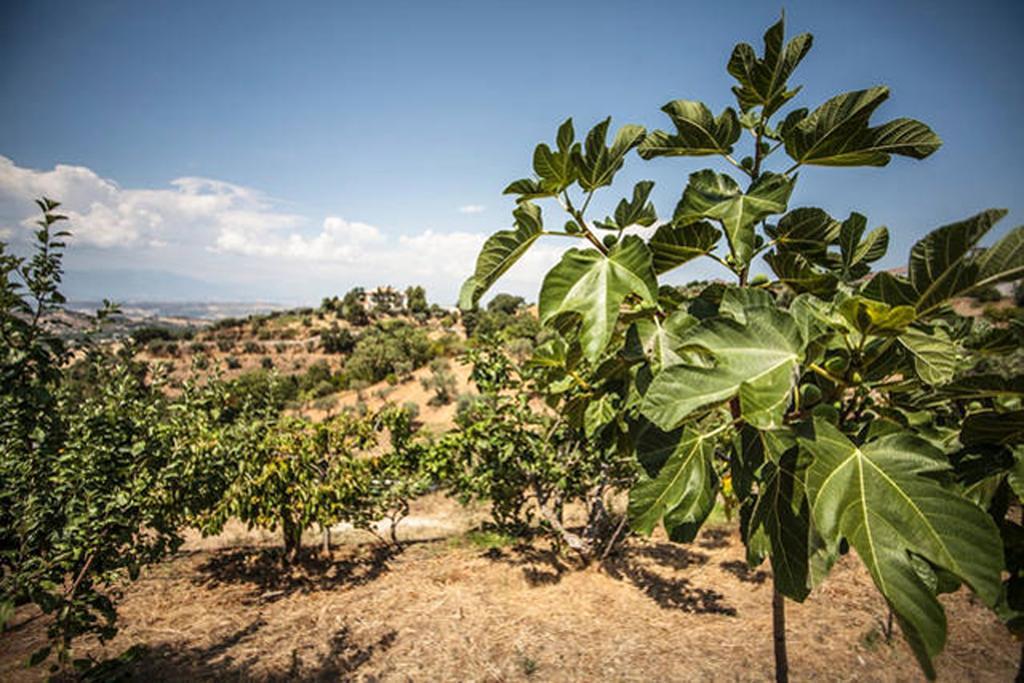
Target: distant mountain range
<point>196,310</point>
<point>144,285</point>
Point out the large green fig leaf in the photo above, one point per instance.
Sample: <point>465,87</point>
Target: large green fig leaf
<point>890,289</point>
<point>598,163</point>
<point>699,133</point>
<point>594,285</point>
<point>556,169</point>
<point>658,340</point>
<point>527,189</point>
<point>763,80</point>
<point>683,490</point>
<point>718,197</point>
<point>1003,261</point>
<point>781,510</point>
<point>673,246</point>
<point>934,354</point>
<point>942,266</point>
<point>991,427</point>
<point>637,211</point>
<point>800,274</point>
<point>500,252</point>
<point>756,360</point>
<point>886,499</point>
<point>806,231</point>
<point>855,253</point>
<point>837,134</point>
<point>874,318</point>
<point>736,301</point>
<point>946,264</point>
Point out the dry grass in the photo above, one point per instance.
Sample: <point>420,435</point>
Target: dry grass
<point>468,608</point>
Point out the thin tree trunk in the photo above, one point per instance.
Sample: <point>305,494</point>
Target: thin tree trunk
<point>553,517</point>
<point>779,636</point>
<point>292,540</point>
<point>327,539</point>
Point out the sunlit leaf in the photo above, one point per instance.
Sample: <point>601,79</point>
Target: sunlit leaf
<point>756,361</point>
<point>934,354</point>
<point>594,286</point>
<point>718,197</point>
<point>886,499</point>
<point>837,134</point>
<point>763,80</point>
<point>597,164</point>
<point>673,246</point>
<point>500,252</point>
<point>698,132</point>
<point>637,211</point>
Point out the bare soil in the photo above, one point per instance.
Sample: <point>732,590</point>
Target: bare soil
<point>458,607</point>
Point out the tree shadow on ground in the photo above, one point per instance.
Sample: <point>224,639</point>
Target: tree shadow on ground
<point>638,563</point>
<point>262,568</point>
<point>541,566</point>
<point>344,656</point>
<point>742,571</point>
<point>712,538</point>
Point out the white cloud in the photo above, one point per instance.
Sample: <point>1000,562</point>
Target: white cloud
<point>339,240</point>
<point>106,215</point>
<point>472,208</point>
<point>216,230</point>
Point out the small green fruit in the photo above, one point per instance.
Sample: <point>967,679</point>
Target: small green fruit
<point>809,394</point>
<point>826,412</point>
<point>837,365</point>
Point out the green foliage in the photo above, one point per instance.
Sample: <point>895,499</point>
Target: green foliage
<point>834,403</point>
<point>93,484</point>
<point>988,294</point>
<point>441,382</point>
<point>144,335</point>
<point>506,319</point>
<point>381,349</point>
<point>416,300</point>
<point>295,474</point>
<point>353,307</point>
<point>508,304</point>
<point>529,463</point>
<point>338,340</point>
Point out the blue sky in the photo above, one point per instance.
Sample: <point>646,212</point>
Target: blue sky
<point>290,150</point>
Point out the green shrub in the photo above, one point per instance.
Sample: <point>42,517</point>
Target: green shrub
<point>383,348</point>
<point>337,340</point>
<point>441,381</point>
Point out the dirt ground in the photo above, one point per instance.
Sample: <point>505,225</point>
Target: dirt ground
<point>459,605</point>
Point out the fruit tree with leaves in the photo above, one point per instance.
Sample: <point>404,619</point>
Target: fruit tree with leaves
<point>804,388</point>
